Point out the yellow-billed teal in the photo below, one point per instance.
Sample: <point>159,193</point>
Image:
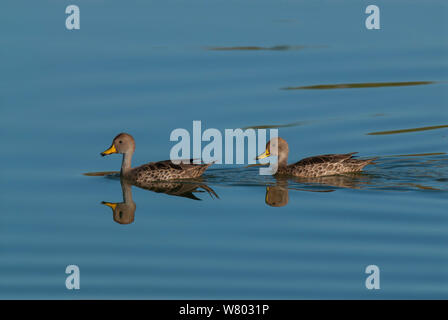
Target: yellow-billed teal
<point>317,166</point>
<point>154,171</point>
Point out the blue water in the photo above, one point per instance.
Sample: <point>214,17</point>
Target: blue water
<point>147,68</point>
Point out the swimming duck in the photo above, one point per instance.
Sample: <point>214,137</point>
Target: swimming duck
<point>154,171</point>
<point>317,166</point>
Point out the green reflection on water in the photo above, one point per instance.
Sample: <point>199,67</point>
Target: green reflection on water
<point>407,130</point>
<point>360,85</point>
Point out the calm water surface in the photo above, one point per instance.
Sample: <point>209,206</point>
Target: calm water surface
<point>309,68</point>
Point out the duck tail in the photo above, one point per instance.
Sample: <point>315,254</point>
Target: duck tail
<point>199,169</point>
<point>206,165</point>
<point>365,162</point>
<point>371,160</point>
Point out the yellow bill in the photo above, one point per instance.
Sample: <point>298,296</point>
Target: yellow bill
<point>110,204</point>
<point>111,150</point>
<point>267,195</point>
<point>264,155</point>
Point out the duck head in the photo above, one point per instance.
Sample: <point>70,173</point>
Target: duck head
<point>123,143</point>
<point>276,147</point>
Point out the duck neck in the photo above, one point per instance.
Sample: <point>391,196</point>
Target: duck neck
<point>126,164</point>
<point>283,159</point>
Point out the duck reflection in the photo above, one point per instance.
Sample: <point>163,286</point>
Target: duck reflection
<point>124,212</point>
<point>278,194</point>
<point>348,181</point>
<point>186,189</point>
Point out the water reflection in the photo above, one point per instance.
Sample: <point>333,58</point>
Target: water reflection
<point>124,212</point>
<point>186,189</point>
<point>257,48</point>
<point>407,130</point>
<point>416,172</point>
<point>349,180</point>
<point>278,194</point>
<point>360,85</point>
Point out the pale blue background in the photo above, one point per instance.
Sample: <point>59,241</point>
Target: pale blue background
<point>143,67</point>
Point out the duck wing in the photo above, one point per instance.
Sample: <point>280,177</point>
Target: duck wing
<point>168,164</point>
<point>325,158</point>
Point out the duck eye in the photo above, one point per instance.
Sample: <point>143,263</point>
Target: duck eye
<point>119,141</point>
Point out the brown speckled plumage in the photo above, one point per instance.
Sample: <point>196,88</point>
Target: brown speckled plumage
<point>317,166</point>
<point>166,170</point>
<point>153,171</point>
<point>324,165</point>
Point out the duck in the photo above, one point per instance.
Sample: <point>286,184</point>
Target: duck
<point>124,144</point>
<point>312,167</point>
